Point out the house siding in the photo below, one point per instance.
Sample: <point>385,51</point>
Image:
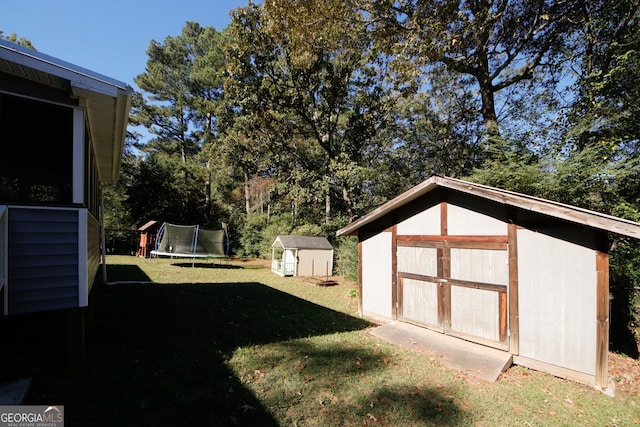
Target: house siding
<point>43,259</point>
<point>93,250</point>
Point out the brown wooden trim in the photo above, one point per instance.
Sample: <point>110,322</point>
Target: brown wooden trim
<point>394,272</point>
<point>456,238</point>
<point>420,244</point>
<point>444,270</point>
<point>360,278</point>
<point>444,218</point>
<point>420,277</point>
<point>477,285</point>
<point>514,317</point>
<point>503,317</point>
<point>602,312</point>
<point>493,246</point>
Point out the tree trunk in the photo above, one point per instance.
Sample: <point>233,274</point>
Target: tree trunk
<point>247,200</point>
<point>488,108</point>
<point>327,208</point>
<point>347,201</point>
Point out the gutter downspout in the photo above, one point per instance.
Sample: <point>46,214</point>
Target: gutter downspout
<point>102,238</point>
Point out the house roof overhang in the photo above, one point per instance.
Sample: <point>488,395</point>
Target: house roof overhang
<point>106,101</point>
<point>518,200</point>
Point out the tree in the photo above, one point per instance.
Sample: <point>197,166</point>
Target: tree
<point>496,44</point>
<point>181,85</point>
<point>13,38</point>
<point>317,100</point>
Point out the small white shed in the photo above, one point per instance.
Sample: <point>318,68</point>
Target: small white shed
<point>302,256</point>
<point>522,274</point>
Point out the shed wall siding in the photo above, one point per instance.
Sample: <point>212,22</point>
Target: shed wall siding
<point>480,265</point>
<point>43,259</point>
<point>426,222</point>
<point>420,301</point>
<point>465,222</point>
<point>473,312</point>
<point>315,262</point>
<point>557,301</point>
<point>376,275</point>
<point>417,260</point>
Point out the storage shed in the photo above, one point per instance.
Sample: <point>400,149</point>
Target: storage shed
<point>522,274</point>
<point>147,239</point>
<point>302,256</point>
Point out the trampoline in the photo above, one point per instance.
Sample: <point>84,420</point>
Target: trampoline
<point>191,241</point>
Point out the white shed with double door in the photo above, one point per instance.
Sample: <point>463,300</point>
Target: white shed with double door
<point>525,275</point>
<point>305,256</point>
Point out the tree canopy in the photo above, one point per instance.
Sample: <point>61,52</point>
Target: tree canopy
<point>303,114</point>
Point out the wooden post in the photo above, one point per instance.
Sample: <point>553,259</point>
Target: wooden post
<point>602,312</point>
<point>514,317</point>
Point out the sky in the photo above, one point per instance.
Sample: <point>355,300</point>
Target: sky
<point>109,37</point>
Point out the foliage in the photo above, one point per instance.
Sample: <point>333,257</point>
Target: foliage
<point>303,115</point>
<point>180,85</point>
<point>13,38</point>
<point>314,104</point>
<point>490,45</point>
<point>346,254</point>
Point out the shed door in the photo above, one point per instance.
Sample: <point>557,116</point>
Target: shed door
<point>458,288</point>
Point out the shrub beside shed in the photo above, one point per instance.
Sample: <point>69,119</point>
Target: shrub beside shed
<point>302,256</point>
<point>522,274</point>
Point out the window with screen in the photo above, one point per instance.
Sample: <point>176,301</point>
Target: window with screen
<point>36,151</point>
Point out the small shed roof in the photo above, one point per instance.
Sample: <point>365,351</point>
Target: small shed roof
<point>148,225</point>
<point>534,204</point>
<point>107,101</point>
<point>301,242</point>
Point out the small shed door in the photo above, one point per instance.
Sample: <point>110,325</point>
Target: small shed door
<point>458,288</point>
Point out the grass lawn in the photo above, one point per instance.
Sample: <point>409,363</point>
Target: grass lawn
<point>234,344</point>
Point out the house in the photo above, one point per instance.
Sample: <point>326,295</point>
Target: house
<point>525,275</point>
<point>304,256</point>
<point>62,131</point>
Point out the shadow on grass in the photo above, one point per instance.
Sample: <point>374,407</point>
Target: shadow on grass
<point>207,265</point>
<point>124,272</point>
<point>155,354</point>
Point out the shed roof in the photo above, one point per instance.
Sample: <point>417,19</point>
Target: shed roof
<point>301,242</point>
<point>107,101</point>
<point>534,204</point>
<point>148,225</point>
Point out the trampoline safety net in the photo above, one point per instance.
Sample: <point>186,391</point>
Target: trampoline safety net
<point>190,241</point>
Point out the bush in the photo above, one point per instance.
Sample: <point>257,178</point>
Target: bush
<point>346,254</point>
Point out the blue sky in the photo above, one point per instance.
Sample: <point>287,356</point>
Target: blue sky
<point>109,37</point>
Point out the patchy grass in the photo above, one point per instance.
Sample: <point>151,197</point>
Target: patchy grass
<point>234,344</point>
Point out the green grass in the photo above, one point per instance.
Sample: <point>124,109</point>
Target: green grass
<point>234,344</point>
